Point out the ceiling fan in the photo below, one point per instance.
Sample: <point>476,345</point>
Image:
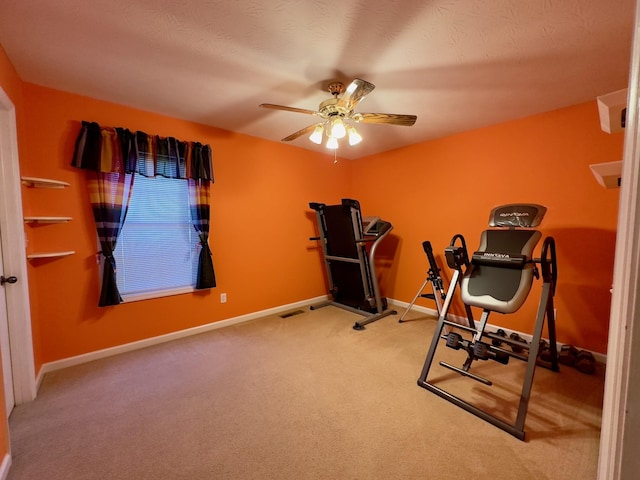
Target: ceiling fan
<point>334,111</point>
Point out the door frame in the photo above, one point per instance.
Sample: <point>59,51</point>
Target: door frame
<point>618,457</point>
<point>15,260</point>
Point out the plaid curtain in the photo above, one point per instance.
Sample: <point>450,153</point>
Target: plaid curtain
<point>199,204</point>
<point>109,194</point>
<point>114,155</point>
<point>107,150</point>
<point>199,171</point>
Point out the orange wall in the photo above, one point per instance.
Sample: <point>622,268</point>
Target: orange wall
<point>259,228</point>
<point>436,189</point>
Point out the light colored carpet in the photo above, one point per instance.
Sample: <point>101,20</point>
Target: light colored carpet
<point>304,397</point>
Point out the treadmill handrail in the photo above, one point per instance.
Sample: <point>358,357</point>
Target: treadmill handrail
<point>371,239</point>
<point>372,266</point>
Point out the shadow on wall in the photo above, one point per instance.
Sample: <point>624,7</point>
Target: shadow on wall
<point>585,259</point>
<point>386,264</point>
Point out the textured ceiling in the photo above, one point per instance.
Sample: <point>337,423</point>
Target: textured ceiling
<point>456,64</point>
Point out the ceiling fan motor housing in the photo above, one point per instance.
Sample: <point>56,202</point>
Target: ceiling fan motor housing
<point>336,88</point>
<point>330,108</point>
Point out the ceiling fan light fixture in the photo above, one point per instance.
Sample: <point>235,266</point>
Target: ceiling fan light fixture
<point>338,130</point>
<point>337,115</point>
<point>354,137</point>
<point>332,143</point>
<point>316,136</point>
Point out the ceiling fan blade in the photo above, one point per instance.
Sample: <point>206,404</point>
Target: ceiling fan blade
<point>288,109</point>
<point>389,118</point>
<point>354,93</point>
<point>299,133</point>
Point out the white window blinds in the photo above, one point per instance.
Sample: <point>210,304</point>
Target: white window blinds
<point>157,250</point>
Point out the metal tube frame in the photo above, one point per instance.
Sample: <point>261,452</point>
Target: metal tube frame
<point>545,310</point>
<point>433,276</point>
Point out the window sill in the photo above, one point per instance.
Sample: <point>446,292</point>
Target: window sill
<point>136,297</point>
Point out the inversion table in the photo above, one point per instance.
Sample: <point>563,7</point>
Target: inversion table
<point>498,278</point>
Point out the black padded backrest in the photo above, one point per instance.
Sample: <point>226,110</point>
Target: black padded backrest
<point>500,287</point>
<point>502,269</point>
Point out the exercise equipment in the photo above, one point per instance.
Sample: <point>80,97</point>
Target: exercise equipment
<point>437,285</point>
<point>433,277</point>
<point>349,243</point>
<point>498,278</point>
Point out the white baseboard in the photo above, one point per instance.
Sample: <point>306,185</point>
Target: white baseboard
<point>5,467</point>
<point>128,347</point>
<point>600,357</point>
<point>429,311</point>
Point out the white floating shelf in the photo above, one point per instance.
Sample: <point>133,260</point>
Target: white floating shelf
<point>33,256</point>
<point>44,182</point>
<point>610,110</point>
<point>46,219</point>
<point>607,174</point>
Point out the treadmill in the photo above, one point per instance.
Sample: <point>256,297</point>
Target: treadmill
<point>349,242</point>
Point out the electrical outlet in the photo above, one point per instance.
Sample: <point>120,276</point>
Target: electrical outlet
<point>223,298</point>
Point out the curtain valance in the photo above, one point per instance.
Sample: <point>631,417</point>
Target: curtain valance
<point>118,150</point>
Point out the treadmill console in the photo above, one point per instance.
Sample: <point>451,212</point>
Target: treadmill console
<point>369,225</point>
<point>373,226</point>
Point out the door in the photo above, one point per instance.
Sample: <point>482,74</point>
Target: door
<point>5,347</point>
<point>16,343</point>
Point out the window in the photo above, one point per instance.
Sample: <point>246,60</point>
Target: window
<point>157,255</point>
<point>157,250</point>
